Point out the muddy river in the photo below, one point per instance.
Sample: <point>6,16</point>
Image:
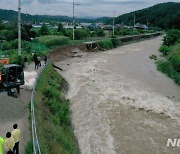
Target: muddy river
<point>120,103</point>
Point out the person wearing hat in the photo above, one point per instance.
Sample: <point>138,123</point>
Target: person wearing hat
<point>1,143</point>
<point>9,143</point>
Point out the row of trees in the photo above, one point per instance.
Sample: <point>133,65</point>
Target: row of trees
<point>10,32</point>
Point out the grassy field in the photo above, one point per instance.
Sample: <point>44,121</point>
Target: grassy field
<point>53,114</point>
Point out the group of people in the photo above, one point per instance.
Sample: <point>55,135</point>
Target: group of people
<point>36,59</point>
<point>11,143</point>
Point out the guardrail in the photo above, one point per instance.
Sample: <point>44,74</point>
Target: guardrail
<point>125,39</point>
<point>36,147</point>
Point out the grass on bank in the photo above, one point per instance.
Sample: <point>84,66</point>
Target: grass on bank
<point>53,115</point>
<point>171,65</point>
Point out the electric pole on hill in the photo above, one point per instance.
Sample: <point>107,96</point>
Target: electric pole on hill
<point>73,18</point>
<point>19,27</point>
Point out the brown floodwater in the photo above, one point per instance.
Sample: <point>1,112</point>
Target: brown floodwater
<point>120,103</point>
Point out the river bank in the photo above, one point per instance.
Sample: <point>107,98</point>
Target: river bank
<point>120,103</point>
<point>53,117</point>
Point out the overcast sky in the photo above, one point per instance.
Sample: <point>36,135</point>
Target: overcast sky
<point>90,8</point>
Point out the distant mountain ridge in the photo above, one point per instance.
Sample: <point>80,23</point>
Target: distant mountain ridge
<point>163,15</point>
<point>11,15</point>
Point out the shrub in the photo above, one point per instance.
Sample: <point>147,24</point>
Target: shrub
<point>171,37</point>
<point>164,49</point>
<point>9,45</point>
<point>167,68</point>
<point>5,46</point>
<point>44,30</point>
<point>116,42</point>
<point>68,33</point>
<point>81,33</point>
<point>105,44</point>
<point>15,59</point>
<point>52,40</point>
<point>175,60</point>
<point>100,33</point>
<point>14,44</point>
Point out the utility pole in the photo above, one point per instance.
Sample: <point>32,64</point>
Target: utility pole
<point>113,22</point>
<point>19,27</point>
<point>74,18</point>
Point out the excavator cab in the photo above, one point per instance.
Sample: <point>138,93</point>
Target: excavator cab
<point>11,77</point>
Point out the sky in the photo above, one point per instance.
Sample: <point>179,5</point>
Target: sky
<point>85,8</point>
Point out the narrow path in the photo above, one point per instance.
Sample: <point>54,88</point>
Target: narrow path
<point>16,110</point>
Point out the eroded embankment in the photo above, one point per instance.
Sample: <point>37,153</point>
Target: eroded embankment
<point>120,103</point>
<point>53,116</point>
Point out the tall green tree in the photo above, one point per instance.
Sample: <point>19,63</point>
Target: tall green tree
<point>60,28</point>
<point>44,30</point>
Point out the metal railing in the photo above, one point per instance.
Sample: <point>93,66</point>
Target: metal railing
<point>36,147</point>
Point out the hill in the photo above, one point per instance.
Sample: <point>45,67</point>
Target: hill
<point>11,15</point>
<point>164,15</point>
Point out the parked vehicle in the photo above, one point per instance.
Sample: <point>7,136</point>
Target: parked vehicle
<point>11,78</point>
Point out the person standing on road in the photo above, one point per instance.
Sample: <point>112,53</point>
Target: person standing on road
<point>39,60</point>
<point>35,60</point>
<point>9,144</point>
<point>1,143</point>
<point>45,59</point>
<point>16,135</point>
<point>25,61</point>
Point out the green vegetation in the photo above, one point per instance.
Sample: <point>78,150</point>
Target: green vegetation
<point>52,40</point>
<point>171,64</point>
<point>164,49</point>
<point>164,15</point>
<point>44,30</point>
<point>29,147</point>
<point>172,37</point>
<point>109,43</point>
<point>53,115</point>
<point>105,44</point>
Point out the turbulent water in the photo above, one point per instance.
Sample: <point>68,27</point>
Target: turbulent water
<point>120,103</point>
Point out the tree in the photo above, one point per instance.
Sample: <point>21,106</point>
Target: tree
<point>60,28</point>
<point>44,30</point>
<point>100,33</point>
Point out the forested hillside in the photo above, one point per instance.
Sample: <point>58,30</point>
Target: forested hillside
<point>11,15</point>
<point>164,15</point>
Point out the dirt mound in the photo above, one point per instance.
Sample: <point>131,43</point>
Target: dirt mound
<point>65,52</point>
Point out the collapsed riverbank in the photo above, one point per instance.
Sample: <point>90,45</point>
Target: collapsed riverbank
<point>120,103</point>
<point>53,116</point>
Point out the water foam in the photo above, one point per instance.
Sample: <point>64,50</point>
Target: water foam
<point>30,79</point>
<point>94,91</point>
